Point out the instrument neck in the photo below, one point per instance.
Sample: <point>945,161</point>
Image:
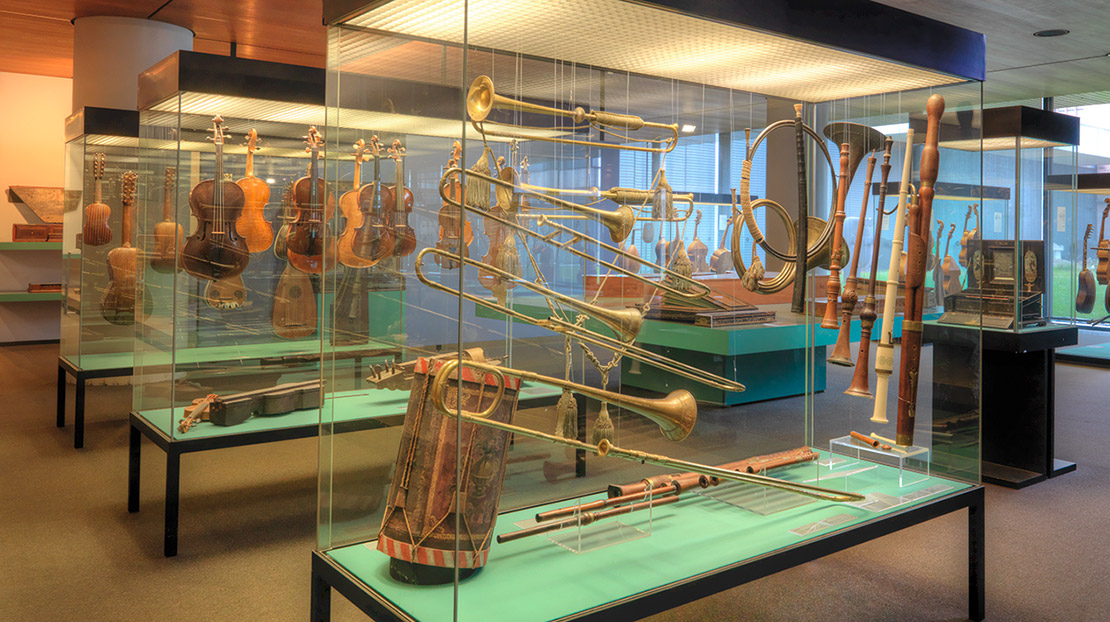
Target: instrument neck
<point>97,192</point>
<point>313,179</point>
<point>399,186</point>
<point>377,205</point>
<point>218,192</point>
<point>1101,231</point>
<point>167,203</point>
<point>126,225</point>
<point>357,179</point>
<point>249,172</point>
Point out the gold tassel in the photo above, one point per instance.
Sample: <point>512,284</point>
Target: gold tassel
<point>566,425</point>
<point>603,427</point>
<point>477,190</point>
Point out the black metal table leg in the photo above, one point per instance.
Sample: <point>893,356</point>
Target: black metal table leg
<point>976,558</point>
<point>79,414</point>
<point>321,599</point>
<point>173,488</point>
<point>61,397</point>
<point>133,464</point>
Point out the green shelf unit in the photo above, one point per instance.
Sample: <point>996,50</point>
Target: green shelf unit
<point>30,246</point>
<point>30,297</point>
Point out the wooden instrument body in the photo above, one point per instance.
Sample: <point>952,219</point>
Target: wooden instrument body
<point>294,313</point>
<point>352,215</point>
<point>252,223</point>
<point>950,268</point>
<point>418,529</point>
<point>721,260</point>
<point>169,237</point>
<point>119,305</point>
<point>1102,271</point>
<point>697,249</point>
<point>404,236</point>
<point>968,235</point>
<point>455,234</point>
<point>226,294</point>
<point>278,400</point>
<point>95,230</point>
<point>282,236</point>
<point>1085,292</point>
<point>373,237</point>
<point>832,284</point>
<point>307,245</point>
<point>215,250</point>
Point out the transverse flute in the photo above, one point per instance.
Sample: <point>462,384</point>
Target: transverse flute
<point>917,249</point>
<point>884,353</point>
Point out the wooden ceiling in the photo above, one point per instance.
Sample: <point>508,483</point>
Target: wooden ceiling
<point>36,36</point>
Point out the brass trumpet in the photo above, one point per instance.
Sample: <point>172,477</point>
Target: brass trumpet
<point>628,196</point>
<point>567,328</point>
<point>675,415</point>
<point>481,100</point>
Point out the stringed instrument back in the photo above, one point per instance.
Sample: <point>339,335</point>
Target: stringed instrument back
<point>308,247</point>
<point>118,306</point>
<point>215,250</point>
<point>252,224</point>
<point>404,236</point>
<point>1103,251</point>
<point>169,237</point>
<point>1085,292</point>
<point>969,235</point>
<point>352,216</point>
<point>95,230</point>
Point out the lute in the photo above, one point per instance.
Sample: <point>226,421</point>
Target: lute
<point>252,224</point>
<point>169,237</point>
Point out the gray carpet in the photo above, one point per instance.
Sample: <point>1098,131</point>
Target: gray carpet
<point>70,550</point>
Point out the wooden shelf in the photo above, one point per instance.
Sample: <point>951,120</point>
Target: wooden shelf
<point>30,297</point>
<point>30,246</point>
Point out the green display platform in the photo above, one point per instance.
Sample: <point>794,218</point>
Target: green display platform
<point>535,579</point>
<point>1097,354</point>
<point>30,296</point>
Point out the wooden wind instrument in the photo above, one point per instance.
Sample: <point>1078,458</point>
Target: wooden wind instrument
<point>832,289</point>
<point>755,464</point>
<point>867,316</point>
<point>801,228</point>
<point>884,353</point>
<point>842,353</point>
<point>586,519</point>
<point>920,220</point>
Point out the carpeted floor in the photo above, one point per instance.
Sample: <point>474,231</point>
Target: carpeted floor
<point>70,551</point>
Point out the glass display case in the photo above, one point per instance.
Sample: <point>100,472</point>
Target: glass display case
<point>612,225</point>
<point>101,144</point>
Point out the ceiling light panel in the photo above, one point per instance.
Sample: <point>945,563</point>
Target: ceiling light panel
<point>631,37</point>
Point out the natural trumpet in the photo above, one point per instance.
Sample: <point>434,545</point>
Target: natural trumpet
<point>481,100</point>
<point>675,414</point>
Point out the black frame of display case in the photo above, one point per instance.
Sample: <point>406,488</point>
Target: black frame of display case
<point>327,574</point>
<point>80,376</point>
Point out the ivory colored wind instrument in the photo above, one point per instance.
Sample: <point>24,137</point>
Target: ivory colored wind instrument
<point>884,354</point>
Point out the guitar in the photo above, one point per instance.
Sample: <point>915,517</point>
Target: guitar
<point>95,231</point>
<point>169,237</point>
<point>949,267</point>
<point>1103,251</point>
<point>403,234</point>
<point>252,225</point>
<point>215,250</point>
<point>294,313</point>
<point>697,249</point>
<point>118,305</point>
<point>307,246</point>
<point>348,207</point>
<point>1085,292</point>
<point>226,294</point>
<point>373,239</point>
<point>968,236</point>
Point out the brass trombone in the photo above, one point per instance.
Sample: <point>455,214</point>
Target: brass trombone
<point>675,415</point>
<point>610,317</point>
<point>696,290</point>
<point>626,196</point>
<point>481,100</point>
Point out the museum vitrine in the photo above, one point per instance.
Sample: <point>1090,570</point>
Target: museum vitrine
<point>615,331</point>
<point>101,146</point>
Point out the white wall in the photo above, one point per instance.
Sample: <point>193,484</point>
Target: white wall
<point>33,111</point>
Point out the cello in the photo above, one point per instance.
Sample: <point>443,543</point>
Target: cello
<point>455,234</point>
<point>95,231</point>
<point>373,238</point>
<point>215,250</point>
<point>404,236</point>
<point>118,306</point>
<point>307,246</point>
<point>251,224</point>
<point>348,207</point>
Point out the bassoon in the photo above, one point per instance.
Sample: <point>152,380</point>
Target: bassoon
<point>832,287</point>
<point>867,316</point>
<point>842,354</point>
<point>884,353</point>
<point>917,250</point>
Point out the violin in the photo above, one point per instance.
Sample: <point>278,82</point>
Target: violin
<point>455,234</point>
<point>1085,294</point>
<point>373,240</point>
<point>949,268</point>
<point>968,236</point>
<point>95,231</point>
<point>169,237</point>
<point>215,250</point>
<point>307,247</point>
<point>251,224</point>
<point>118,304</point>
<point>348,207</point>
<point>697,249</point>
<point>1102,272</point>
<point>404,236</point>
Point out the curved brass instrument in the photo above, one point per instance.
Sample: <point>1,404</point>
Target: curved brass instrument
<point>687,289</point>
<point>675,414</point>
<point>629,196</point>
<point>481,100</point>
<point>611,318</point>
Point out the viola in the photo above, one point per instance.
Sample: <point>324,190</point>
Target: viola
<point>373,239</point>
<point>169,237</point>
<point>215,250</point>
<point>1103,250</point>
<point>455,234</point>
<point>95,231</point>
<point>252,225</point>
<point>119,303</point>
<point>307,246</point>
<point>404,236</point>
<point>348,207</point>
